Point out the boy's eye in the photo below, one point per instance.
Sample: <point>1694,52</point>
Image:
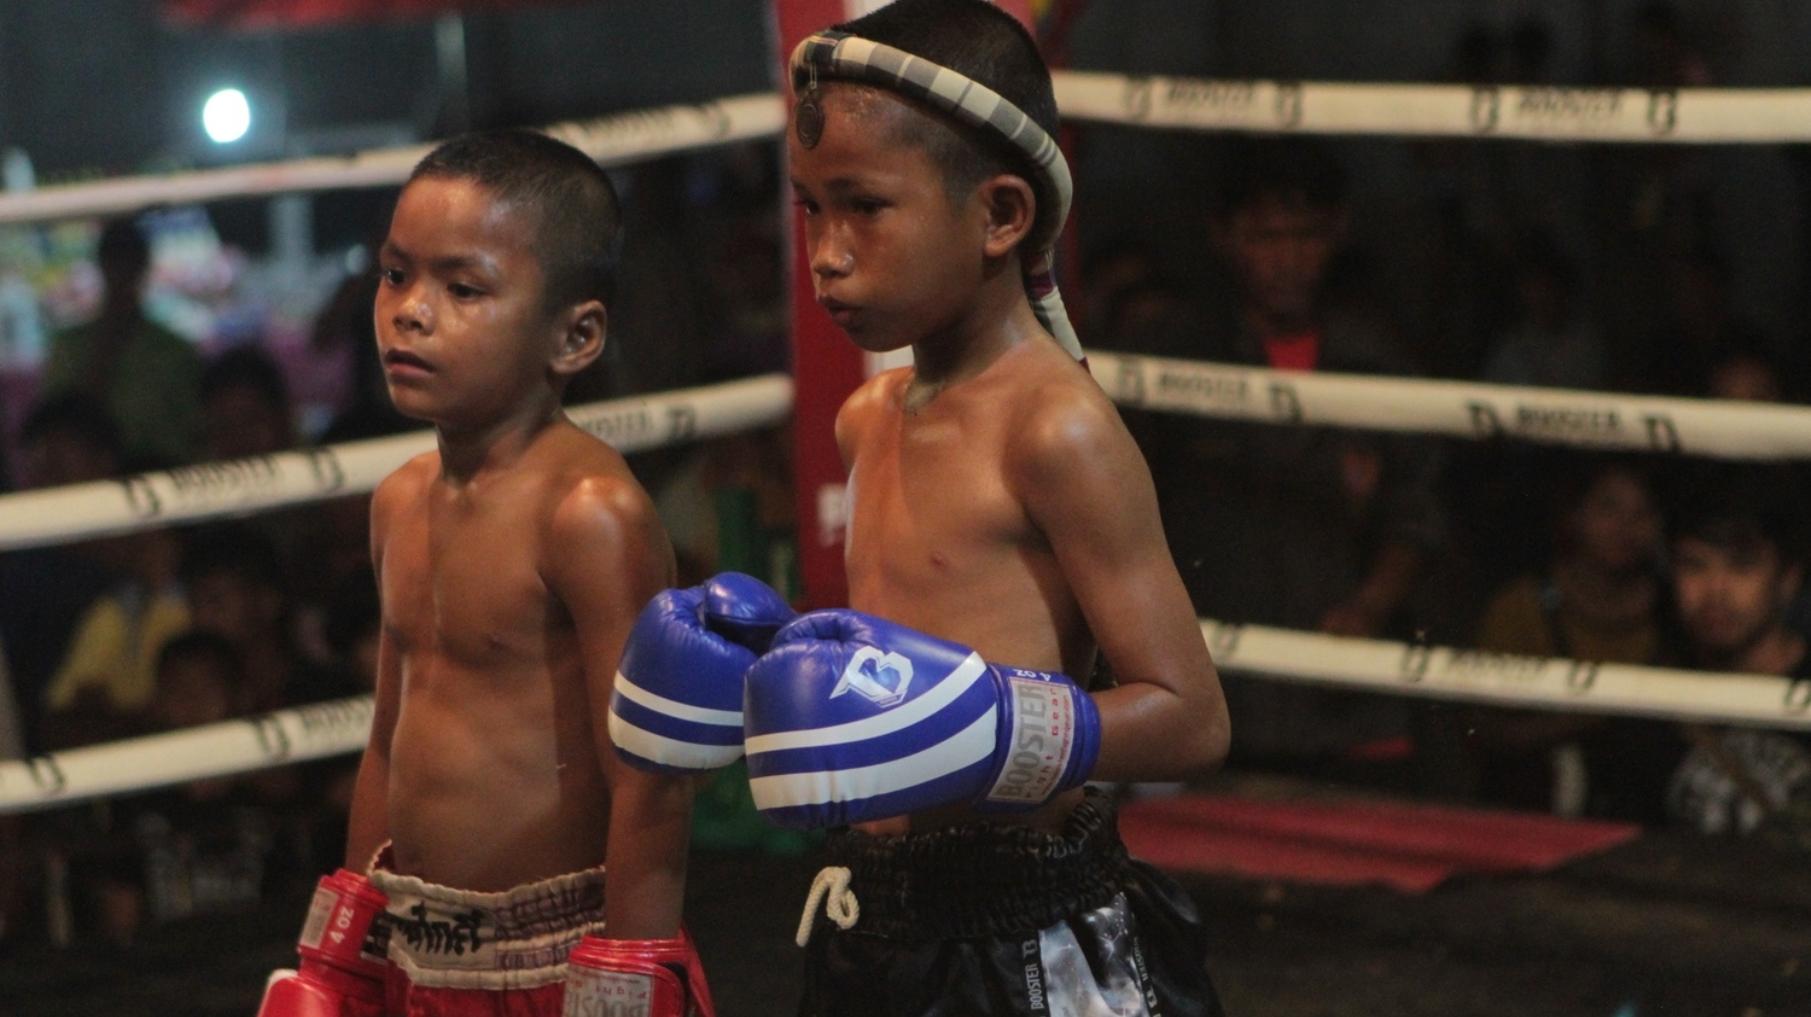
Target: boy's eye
<point>867,206</point>
<point>806,204</point>
<point>393,276</point>
<point>462,291</point>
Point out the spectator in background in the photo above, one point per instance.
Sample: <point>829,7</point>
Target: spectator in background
<point>45,591</point>
<point>13,879</point>
<point>1309,527</point>
<point>351,629</point>
<point>236,584</point>
<point>329,544</point>
<point>1305,527</point>
<point>146,375</point>
<point>1749,374</point>
<point>107,678</point>
<point>245,408</point>
<point>1549,341</point>
<point>1737,562</point>
<point>1699,327</point>
<point>1530,52</point>
<point>1664,54</point>
<point>1597,597</point>
<point>1111,268</point>
<point>199,848</point>
<point>345,321</point>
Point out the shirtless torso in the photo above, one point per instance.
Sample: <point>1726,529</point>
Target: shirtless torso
<point>940,537</point>
<point>494,774</point>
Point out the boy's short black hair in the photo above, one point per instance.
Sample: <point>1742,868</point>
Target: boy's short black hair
<point>1740,508</point>
<point>578,219</point>
<point>207,647</point>
<point>246,367</point>
<point>233,549</point>
<point>976,39</point>
<point>79,415</point>
<point>122,246</point>
<point>1292,171</point>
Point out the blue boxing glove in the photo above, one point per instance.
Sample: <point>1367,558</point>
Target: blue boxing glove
<point>677,701</point>
<point>851,718</point>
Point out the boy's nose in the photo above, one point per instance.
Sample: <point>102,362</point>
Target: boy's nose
<point>413,315</point>
<point>830,259</point>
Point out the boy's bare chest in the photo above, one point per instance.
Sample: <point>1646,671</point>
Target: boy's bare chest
<point>928,505</point>
<point>465,583</point>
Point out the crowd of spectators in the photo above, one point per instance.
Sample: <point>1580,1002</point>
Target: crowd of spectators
<point>1510,549</point>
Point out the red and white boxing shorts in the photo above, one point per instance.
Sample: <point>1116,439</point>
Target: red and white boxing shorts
<point>453,952</point>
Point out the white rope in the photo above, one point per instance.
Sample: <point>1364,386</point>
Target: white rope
<point>1707,427</point>
<point>1443,672</point>
<point>1541,113</point>
<point>1435,672</point>
<point>832,888</point>
<point>213,750</point>
<point>1689,115</point>
<point>243,486</point>
<point>1604,420</point>
<point>621,138</point>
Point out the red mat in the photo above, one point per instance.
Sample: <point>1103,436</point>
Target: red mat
<point>1409,847</point>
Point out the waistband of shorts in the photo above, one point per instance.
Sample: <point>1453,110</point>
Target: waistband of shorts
<point>515,938</point>
<point>983,879</point>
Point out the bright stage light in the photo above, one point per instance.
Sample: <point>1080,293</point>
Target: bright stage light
<point>226,116</point>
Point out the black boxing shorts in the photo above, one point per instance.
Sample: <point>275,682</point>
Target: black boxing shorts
<point>1004,920</point>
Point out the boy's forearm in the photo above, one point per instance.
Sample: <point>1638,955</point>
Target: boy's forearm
<point>1151,733</point>
<point>644,865</point>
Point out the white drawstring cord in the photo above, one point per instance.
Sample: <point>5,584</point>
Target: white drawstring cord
<point>832,887</point>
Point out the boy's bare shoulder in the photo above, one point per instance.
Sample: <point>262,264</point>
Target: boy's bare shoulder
<point>591,494</point>
<point>405,484</point>
<point>874,398</point>
<point>1060,414</point>
<point>876,394</point>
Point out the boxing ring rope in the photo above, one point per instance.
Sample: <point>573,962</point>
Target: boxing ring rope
<point>614,140</point>
<point>1526,112</point>
<point>339,727</point>
<point>185,494</point>
<point>1724,429</point>
<point>1685,115</point>
<point>189,494</point>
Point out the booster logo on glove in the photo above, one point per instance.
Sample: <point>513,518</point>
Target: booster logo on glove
<point>882,679</point>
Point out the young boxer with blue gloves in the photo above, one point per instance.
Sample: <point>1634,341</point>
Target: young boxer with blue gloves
<point>999,512</point>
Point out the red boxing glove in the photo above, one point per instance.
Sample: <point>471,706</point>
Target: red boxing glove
<point>656,977</point>
<point>344,955</point>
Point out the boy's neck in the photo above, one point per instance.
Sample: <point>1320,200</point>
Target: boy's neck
<point>999,319</point>
<point>469,452</point>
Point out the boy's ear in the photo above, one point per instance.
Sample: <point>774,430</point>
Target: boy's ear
<point>581,337</point>
<point>1012,210</point>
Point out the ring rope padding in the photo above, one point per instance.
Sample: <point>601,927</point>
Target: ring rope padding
<point>1601,420</point>
<point>614,140</point>
<point>1720,428</point>
<point>189,494</point>
<point>339,727</point>
<point>1541,113</point>
<point>1523,112</point>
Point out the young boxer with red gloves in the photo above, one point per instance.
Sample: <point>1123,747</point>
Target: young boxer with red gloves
<point>512,563</point>
<point>998,511</point>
